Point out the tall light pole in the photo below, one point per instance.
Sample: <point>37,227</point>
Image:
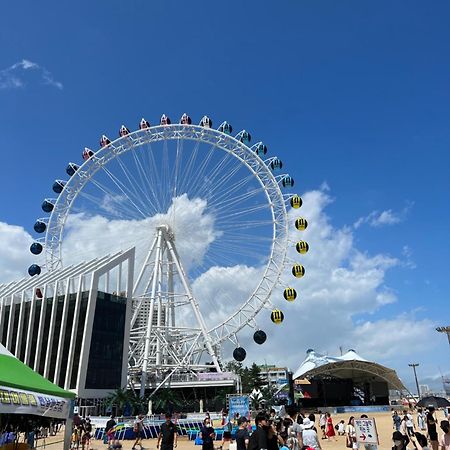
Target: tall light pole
<point>445,330</point>
<point>414,365</point>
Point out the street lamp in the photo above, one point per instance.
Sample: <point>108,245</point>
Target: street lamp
<point>445,330</point>
<point>414,365</point>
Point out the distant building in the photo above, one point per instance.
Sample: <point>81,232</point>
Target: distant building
<point>73,325</point>
<point>274,376</point>
<point>424,389</point>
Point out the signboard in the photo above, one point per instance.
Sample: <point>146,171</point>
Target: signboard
<point>239,404</point>
<point>282,381</point>
<point>215,376</point>
<point>20,401</point>
<point>366,431</point>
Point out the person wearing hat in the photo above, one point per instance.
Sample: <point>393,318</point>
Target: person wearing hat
<point>309,435</point>
<point>400,441</point>
<point>242,434</point>
<point>258,439</point>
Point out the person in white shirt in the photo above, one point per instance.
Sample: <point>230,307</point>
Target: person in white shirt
<point>309,435</point>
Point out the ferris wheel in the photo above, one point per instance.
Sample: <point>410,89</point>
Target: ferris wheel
<point>207,213</point>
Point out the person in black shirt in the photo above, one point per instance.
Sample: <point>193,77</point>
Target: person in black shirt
<point>242,434</point>
<point>258,439</point>
<point>207,434</point>
<point>431,426</point>
<point>109,429</point>
<point>168,434</point>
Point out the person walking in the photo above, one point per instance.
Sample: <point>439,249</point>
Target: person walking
<point>444,442</point>
<point>110,429</point>
<point>167,435</point>
<point>421,420</point>
<point>431,427</point>
<point>396,421</point>
<point>138,429</point>
<point>323,423</point>
<point>331,433</point>
<point>258,439</point>
<point>242,434</point>
<point>409,424</point>
<point>309,435</point>
<point>207,435</point>
<point>350,433</point>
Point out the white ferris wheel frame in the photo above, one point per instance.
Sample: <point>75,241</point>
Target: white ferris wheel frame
<point>260,297</point>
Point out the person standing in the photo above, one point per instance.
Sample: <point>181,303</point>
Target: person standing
<point>309,435</point>
<point>444,442</point>
<point>258,439</point>
<point>400,441</point>
<point>350,432</point>
<point>323,423</point>
<point>110,429</point>
<point>242,434</point>
<point>138,429</point>
<point>431,427</point>
<point>294,430</point>
<point>167,435</point>
<point>330,428</point>
<point>397,420</point>
<point>207,435</point>
<point>409,424</point>
<point>421,420</point>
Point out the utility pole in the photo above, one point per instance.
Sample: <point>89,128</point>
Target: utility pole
<point>414,365</point>
<point>445,330</point>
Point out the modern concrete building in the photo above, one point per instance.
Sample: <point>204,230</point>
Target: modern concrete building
<point>72,325</point>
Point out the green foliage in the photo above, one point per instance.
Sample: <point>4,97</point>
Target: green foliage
<point>250,376</point>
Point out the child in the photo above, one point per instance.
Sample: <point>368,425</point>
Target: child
<point>341,428</point>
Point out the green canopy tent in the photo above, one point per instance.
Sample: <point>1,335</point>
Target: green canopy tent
<point>23,391</point>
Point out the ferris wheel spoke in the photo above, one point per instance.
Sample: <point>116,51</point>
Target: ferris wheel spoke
<point>112,196</point>
<point>196,178</point>
<point>238,199</point>
<point>138,196</point>
<point>226,177</point>
<point>229,192</point>
<point>119,210</point>
<point>145,180</point>
<point>154,176</point>
<point>189,167</point>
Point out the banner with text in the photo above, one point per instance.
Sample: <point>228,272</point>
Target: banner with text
<point>239,404</point>
<point>366,431</point>
<point>20,401</point>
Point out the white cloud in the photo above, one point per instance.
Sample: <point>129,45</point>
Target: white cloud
<point>16,76</point>
<point>16,257</point>
<point>378,219</point>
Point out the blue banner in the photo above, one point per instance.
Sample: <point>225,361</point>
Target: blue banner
<point>239,404</point>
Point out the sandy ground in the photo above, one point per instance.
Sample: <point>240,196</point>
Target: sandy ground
<point>383,422</point>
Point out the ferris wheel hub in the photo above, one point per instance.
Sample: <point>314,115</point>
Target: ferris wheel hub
<point>165,228</point>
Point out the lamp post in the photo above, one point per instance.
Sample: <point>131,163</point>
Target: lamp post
<point>414,365</point>
<point>445,330</point>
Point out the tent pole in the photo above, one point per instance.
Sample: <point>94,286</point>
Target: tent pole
<point>68,433</point>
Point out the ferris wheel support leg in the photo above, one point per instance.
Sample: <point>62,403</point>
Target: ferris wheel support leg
<point>148,334</point>
<point>194,304</point>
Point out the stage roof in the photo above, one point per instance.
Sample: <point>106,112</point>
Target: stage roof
<point>349,365</point>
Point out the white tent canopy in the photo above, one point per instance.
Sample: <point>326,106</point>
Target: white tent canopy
<point>348,365</point>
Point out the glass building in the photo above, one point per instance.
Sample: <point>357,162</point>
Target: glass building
<point>73,325</point>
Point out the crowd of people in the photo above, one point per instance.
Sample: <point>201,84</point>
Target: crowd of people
<point>424,435</point>
<point>288,430</point>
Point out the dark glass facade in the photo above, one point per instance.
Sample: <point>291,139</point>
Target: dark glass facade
<point>104,370</point>
<point>106,352</point>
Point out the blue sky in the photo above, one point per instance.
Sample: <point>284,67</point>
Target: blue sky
<point>353,94</point>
